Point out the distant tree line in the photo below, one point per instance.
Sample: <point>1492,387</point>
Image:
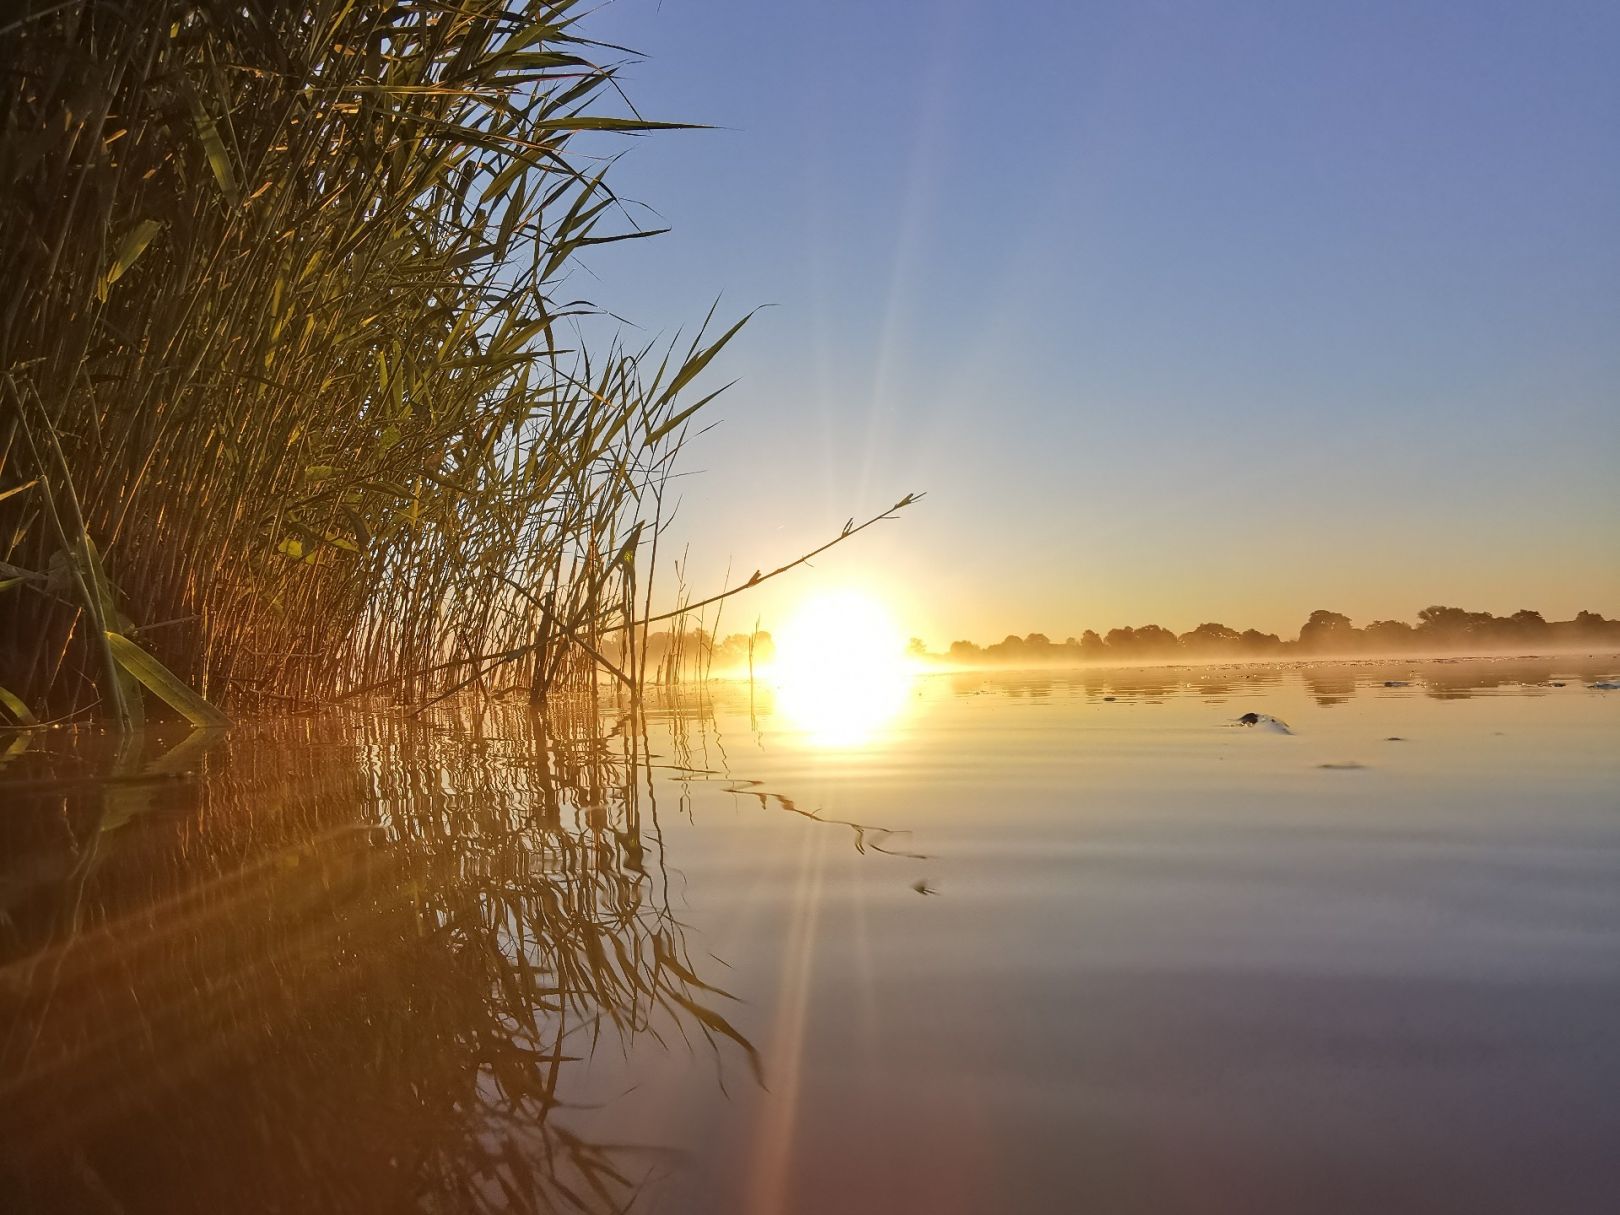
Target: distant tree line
<point>1438,629</point>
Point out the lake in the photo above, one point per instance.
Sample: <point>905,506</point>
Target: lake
<point>984,941</point>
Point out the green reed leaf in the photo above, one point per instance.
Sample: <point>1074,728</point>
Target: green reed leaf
<point>219,159</point>
<point>163,683</point>
<point>14,705</point>
<point>130,248</point>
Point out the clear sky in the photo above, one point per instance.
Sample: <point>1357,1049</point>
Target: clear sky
<point>1178,311</point>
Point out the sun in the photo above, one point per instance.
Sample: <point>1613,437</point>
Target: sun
<point>841,670</point>
<point>839,634</point>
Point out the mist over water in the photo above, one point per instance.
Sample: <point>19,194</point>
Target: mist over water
<point>1005,941</point>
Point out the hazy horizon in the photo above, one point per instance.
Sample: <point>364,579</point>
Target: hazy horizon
<point>856,653</point>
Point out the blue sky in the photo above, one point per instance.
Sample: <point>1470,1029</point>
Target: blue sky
<point>1178,312</point>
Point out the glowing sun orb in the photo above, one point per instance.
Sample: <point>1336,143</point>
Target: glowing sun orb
<point>841,671</point>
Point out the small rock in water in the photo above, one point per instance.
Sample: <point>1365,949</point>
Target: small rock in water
<point>1263,721</point>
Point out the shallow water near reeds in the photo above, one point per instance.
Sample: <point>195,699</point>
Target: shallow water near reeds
<point>982,942</point>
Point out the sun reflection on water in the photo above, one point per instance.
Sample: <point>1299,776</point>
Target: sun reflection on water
<point>843,712</point>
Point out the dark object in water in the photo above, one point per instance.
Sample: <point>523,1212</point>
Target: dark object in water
<point>1394,738</point>
<point>1396,683</point>
<point>921,886</point>
<point>1265,721</point>
<point>1109,698</point>
<point>1347,766</point>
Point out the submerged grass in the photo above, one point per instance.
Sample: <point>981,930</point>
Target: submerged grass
<point>293,398</point>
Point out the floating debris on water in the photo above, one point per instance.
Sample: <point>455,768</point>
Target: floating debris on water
<point>921,886</point>
<point>1347,766</point>
<point>1394,738</point>
<point>1606,685</point>
<point>1396,683</point>
<point>1263,721</point>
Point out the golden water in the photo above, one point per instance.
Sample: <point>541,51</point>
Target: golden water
<point>978,942</point>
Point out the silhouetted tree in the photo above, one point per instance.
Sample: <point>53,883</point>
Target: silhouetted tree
<point>1449,624</point>
<point>1211,639</point>
<point>1589,628</point>
<point>1389,635</point>
<point>1326,631</point>
<point>1154,639</point>
<point>1256,642</point>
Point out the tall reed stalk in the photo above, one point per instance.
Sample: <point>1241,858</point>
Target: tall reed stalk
<point>292,396</point>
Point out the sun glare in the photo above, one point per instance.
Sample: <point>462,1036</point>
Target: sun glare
<point>840,671</point>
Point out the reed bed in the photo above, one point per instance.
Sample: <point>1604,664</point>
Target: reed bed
<point>294,398</point>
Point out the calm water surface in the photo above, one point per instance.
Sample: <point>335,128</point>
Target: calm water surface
<point>975,943</point>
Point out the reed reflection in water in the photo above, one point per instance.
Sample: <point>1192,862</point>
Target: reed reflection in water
<point>344,965</point>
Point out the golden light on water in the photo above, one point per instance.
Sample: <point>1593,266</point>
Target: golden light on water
<point>840,671</point>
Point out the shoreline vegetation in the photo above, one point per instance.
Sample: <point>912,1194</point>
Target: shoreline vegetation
<point>300,400</point>
<point>1439,630</point>
<point>1326,636</point>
